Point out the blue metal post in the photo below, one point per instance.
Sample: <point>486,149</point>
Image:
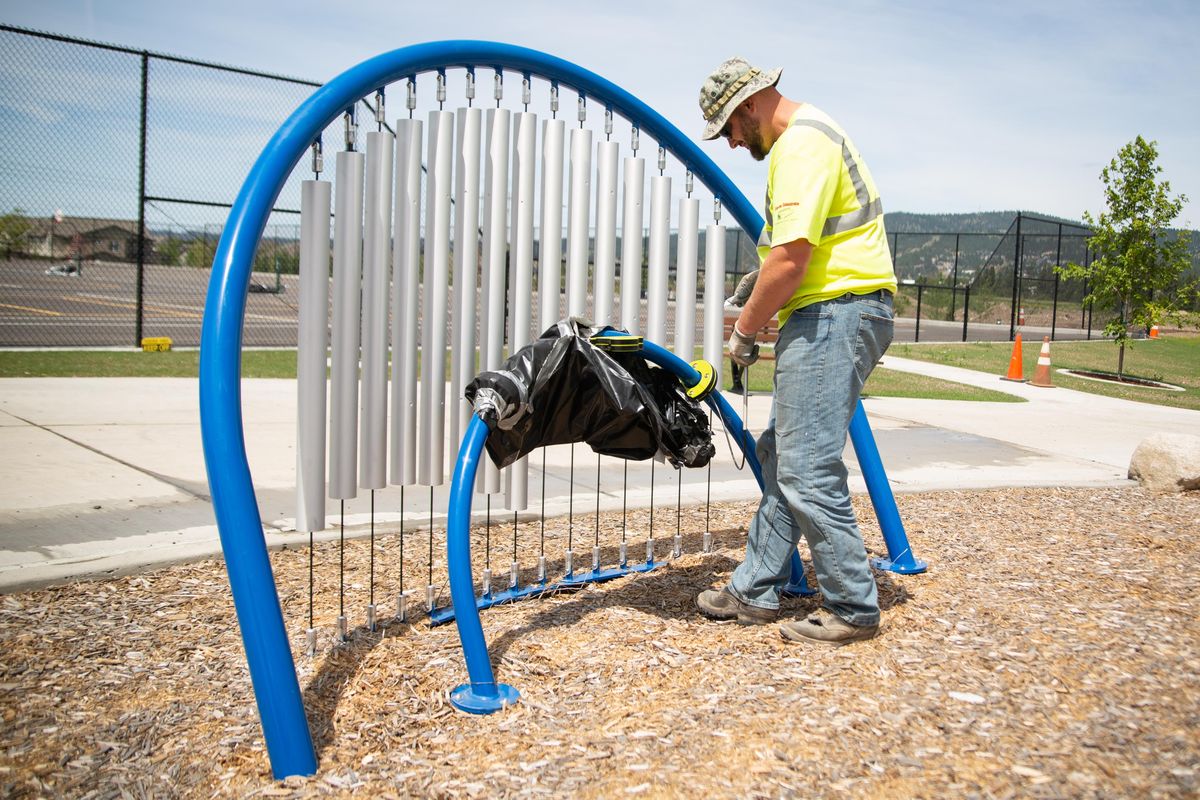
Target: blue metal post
<point>900,558</point>
<point>482,695</point>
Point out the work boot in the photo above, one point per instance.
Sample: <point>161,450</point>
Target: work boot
<point>721,604</point>
<point>824,627</point>
<point>737,387</point>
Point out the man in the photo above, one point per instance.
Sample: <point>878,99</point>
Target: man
<point>827,272</point>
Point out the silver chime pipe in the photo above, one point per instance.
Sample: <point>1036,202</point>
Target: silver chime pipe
<point>631,244</point>
<point>578,217</point>
<point>495,246</point>
<point>714,296</point>
<point>406,265</point>
<point>550,255</point>
<point>313,345</point>
<point>377,239</point>
<point>523,199</point>
<point>659,258</point>
<point>685,278</point>
<point>347,276</point>
<point>437,272</point>
<point>606,232</point>
<point>466,268</point>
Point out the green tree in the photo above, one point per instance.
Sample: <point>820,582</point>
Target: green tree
<point>197,254</point>
<point>13,227</point>
<point>1138,265</point>
<point>170,251</point>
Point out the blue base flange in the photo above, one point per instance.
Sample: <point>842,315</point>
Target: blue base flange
<point>913,567</point>
<point>466,698</point>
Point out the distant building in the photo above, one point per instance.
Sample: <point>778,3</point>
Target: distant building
<point>90,238</point>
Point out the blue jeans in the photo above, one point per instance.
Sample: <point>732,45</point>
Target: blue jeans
<point>822,359</point>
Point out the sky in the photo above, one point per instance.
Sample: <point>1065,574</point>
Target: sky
<point>957,107</point>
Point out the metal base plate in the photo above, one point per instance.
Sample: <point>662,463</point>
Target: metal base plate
<point>467,698</point>
<point>914,567</point>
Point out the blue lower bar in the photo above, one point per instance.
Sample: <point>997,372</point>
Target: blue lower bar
<point>900,558</point>
<point>440,616</point>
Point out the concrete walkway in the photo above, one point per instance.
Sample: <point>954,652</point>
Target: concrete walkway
<point>104,476</point>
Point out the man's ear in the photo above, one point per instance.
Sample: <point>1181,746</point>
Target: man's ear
<point>748,105</point>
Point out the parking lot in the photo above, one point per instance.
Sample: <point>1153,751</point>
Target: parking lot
<point>40,306</point>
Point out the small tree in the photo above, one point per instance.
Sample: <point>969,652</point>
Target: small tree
<point>13,227</point>
<point>1137,266</point>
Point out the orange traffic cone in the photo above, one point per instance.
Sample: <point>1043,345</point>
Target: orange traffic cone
<point>1041,377</point>
<point>1153,331</point>
<point>1014,364</point>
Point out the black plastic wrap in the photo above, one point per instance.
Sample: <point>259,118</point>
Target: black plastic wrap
<point>562,389</point>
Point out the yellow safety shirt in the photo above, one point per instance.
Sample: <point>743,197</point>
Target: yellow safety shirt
<point>819,189</point>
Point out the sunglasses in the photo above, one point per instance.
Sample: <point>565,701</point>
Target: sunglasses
<point>727,130</point>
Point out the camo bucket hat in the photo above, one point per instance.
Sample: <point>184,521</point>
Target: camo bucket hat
<point>726,88</point>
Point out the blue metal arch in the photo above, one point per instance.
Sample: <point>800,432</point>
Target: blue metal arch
<point>276,688</point>
<point>272,671</point>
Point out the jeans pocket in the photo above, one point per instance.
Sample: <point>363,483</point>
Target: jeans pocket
<point>808,325</point>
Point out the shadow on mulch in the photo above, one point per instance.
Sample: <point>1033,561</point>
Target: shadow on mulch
<point>644,592</point>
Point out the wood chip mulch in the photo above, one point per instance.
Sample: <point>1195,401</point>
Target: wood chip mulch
<point>1053,649</point>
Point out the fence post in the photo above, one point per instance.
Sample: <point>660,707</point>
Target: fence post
<point>1057,264</point>
<point>1054,309</point>
<point>966,308</point>
<point>954,280</point>
<point>917,335</point>
<point>1012,313</point>
<point>141,242</point>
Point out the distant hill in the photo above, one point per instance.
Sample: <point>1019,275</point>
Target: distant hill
<point>979,222</point>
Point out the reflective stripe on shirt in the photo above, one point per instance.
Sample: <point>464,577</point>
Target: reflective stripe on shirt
<point>869,209</point>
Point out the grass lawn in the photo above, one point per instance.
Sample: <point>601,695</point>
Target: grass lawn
<point>1174,360</point>
<point>135,364</point>
<point>891,383</point>
<point>282,364</point>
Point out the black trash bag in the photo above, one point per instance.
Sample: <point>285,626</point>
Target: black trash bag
<point>562,389</point>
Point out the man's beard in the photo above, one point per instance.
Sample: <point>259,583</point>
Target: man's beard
<point>752,136</point>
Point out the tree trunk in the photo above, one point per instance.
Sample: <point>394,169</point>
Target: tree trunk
<point>1124,332</point>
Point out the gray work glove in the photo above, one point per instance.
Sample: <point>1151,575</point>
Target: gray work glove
<point>742,349</point>
<point>742,293</point>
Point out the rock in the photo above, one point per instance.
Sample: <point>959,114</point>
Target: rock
<point>1167,462</point>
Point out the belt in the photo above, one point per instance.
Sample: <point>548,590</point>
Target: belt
<point>878,294</point>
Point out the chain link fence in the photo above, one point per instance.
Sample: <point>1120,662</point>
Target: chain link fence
<point>990,286</point>
<point>121,165</point>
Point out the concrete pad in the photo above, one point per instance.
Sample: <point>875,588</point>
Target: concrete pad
<point>1085,426</point>
<point>132,447</point>
<point>42,470</point>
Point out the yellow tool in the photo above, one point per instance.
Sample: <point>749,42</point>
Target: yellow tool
<point>708,380</point>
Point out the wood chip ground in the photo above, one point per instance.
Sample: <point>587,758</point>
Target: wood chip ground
<point>1052,650</point>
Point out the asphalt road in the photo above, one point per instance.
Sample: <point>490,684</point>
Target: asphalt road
<point>98,308</point>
